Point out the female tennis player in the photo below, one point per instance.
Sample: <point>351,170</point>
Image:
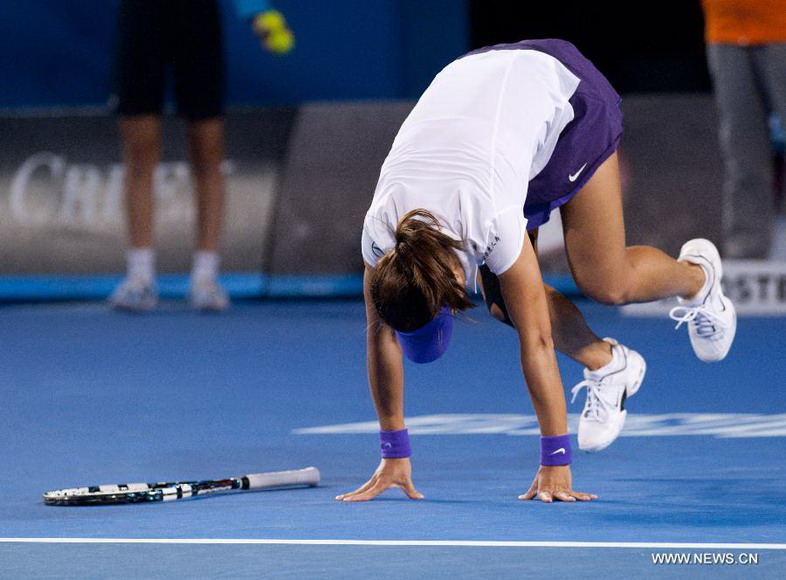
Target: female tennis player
<point>531,126</point>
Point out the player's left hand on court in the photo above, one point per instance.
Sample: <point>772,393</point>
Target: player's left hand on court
<point>390,473</point>
<point>273,32</point>
<point>553,483</point>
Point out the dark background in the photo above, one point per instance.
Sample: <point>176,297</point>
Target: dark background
<point>59,54</point>
<point>640,47</point>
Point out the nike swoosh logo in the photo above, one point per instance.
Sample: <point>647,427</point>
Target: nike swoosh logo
<point>560,451</point>
<point>387,446</point>
<point>575,176</point>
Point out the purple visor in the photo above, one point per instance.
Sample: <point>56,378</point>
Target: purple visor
<point>429,342</point>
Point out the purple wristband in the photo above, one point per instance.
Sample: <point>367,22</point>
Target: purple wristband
<point>395,444</point>
<point>555,450</point>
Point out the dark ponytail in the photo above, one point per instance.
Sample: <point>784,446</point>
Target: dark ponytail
<point>412,282</point>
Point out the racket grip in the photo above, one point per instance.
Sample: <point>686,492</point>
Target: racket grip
<point>295,477</point>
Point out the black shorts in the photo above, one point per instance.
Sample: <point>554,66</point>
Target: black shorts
<point>156,37</point>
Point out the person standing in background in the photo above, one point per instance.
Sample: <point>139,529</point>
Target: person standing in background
<point>746,51</point>
<point>186,36</point>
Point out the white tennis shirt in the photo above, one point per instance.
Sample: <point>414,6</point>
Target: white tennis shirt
<point>486,126</point>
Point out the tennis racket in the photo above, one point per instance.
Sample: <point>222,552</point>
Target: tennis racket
<point>167,491</point>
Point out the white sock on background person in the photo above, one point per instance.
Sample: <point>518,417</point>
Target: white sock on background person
<point>206,293</point>
<point>141,263</point>
<point>137,292</point>
<point>205,266</point>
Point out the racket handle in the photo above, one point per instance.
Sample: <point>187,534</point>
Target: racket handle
<point>294,477</point>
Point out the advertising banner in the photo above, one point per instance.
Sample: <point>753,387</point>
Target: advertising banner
<point>62,203</point>
<point>299,182</point>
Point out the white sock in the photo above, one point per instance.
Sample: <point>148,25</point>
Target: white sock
<point>141,263</point>
<point>205,266</point>
<point>699,297</point>
<point>615,363</point>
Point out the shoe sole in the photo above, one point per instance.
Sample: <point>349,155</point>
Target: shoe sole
<point>209,306</point>
<point>605,444</point>
<point>138,309</point>
<point>720,356</point>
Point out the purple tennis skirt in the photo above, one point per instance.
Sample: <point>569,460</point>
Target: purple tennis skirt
<point>585,143</point>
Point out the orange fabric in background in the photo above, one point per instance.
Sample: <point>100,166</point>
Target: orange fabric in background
<point>745,21</point>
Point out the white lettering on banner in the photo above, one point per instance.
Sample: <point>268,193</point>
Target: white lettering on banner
<point>756,287</point>
<point>47,190</point>
<point>80,193</point>
<point>19,187</point>
<point>766,288</point>
<point>722,425</point>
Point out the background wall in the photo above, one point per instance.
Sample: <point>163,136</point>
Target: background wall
<point>652,47</point>
<point>308,131</point>
<point>59,53</point>
<point>61,193</point>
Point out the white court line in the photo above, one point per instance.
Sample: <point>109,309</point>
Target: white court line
<point>721,425</point>
<point>404,543</point>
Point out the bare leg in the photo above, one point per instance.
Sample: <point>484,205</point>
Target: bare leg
<point>141,137</point>
<point>604,268</point>
<point>206,139</point>
<point>572,336</point>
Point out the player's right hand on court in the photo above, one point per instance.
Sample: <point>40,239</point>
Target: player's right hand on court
<point>554,484</point>
<point>390,473</point>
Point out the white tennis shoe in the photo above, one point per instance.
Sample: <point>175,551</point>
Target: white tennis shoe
<point>135,295</point>
<point>207,294</point>
<point>711,318</point>
<point>608,388</point>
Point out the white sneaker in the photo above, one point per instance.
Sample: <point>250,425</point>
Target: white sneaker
<point>711,318</point>
<point>207,295</point>
<point>135,294</point>
<point>607,390</point>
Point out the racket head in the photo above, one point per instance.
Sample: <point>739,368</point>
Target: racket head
<point>132,493</point>
<point>111,494</point>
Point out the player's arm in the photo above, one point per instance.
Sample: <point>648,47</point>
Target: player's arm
<point>386,381</point>
<point>384,365</point>
<point>525,297</point>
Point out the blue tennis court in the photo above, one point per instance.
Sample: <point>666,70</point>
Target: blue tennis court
<point>197,150</point>
<point>91,396</point>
